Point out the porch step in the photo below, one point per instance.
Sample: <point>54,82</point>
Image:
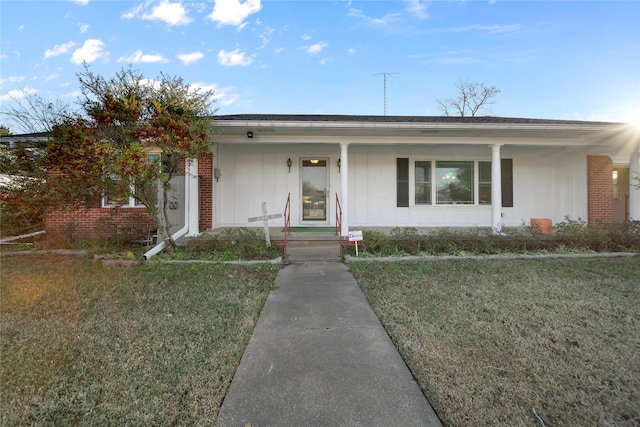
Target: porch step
<point>309,251</point>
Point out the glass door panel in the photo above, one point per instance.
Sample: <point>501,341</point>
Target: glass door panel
<point>314,190</point>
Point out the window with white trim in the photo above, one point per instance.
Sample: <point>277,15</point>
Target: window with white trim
<point>116,194</point>
<point>453,182</point>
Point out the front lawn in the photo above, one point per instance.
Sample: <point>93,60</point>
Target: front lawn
<point>491,341</point>
<point>84,344</point>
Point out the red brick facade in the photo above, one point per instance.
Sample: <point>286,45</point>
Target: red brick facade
<point>205,184</point>
<point>599,189</point>
<point>73,222</point>
<point>125,223</point>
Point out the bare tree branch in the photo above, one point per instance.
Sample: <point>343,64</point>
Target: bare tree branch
<point>31,113</point>
<point>472,98</point>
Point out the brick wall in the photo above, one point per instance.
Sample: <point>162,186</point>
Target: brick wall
<point>599,189</point>
<point>205,183</point>
<point>96,222</point>
<point>82,222</point>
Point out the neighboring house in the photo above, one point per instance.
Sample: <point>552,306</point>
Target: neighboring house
<point>392,171</point>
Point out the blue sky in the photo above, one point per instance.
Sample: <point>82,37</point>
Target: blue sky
<point>550,59</point>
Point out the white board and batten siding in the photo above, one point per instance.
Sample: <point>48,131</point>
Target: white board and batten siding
<point>549,182</point>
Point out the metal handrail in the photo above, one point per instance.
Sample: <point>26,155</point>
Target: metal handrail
<point>287,222</point>
<point>338,216</point>
<point>339,222</point>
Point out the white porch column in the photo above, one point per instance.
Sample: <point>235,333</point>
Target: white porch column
<point>496,189</point>
<point>192,197</point>
<point>634,191</point>
<point>344,188</point>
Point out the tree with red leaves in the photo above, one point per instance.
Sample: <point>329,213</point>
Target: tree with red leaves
<point>123,120</point>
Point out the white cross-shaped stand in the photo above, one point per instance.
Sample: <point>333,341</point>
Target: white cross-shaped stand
<point>265,220</point>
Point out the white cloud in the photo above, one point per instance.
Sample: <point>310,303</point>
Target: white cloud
<point>133,13</point>
<point>11,79</point>
<point>17,94</point>
<point>81,2</point>
<point>145,58</point>
<point>170,13</point>
<point>316,48</point>
<point>235,57</point>
<point>418,9</point>
<point>91,50</point>
<point>73,94</point>
<point>225,96</point>
<point>58,49</point>
<point>305,37</point>
<point>385,20</point>
<point>83,28</point>
<point>492,29</point>
<point>233,12</point>
<point>190,58</point>
<point>265,37</point>
<point>352,51</point>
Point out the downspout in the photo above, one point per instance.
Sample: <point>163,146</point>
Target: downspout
<point>184,230</point>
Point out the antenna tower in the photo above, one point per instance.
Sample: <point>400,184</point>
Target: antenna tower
<point>385,88</point>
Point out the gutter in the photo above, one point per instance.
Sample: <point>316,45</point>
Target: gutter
<point>184,230</point>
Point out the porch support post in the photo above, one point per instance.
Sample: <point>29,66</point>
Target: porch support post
<point>344,188</point>
<point>192,200</point>
<point>496,189</point>
<point>634,182</point>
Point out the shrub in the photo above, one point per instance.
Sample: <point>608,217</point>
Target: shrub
<point>570,236</point>
<point>234,243</point>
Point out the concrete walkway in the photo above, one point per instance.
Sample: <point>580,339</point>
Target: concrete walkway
<point>320,357</point>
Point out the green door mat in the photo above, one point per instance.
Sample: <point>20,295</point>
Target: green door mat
<point>312,229</point>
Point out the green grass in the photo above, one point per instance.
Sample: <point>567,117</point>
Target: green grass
<point>84,344</point>
<point>490,341</point>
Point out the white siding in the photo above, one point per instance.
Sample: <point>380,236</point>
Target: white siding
<point>549,182</point>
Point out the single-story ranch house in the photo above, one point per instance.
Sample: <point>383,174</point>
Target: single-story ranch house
<point>393,171</point>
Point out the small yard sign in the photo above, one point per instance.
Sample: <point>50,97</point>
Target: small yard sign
<point>355,236</point>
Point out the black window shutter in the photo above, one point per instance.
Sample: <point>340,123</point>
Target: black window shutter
<point>402,183</point>
<point>506,166</point>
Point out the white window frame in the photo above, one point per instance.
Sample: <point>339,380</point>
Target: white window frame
<point>432,160</point>
<point>133,202</point>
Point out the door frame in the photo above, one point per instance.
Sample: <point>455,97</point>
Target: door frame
<point>325,221</point>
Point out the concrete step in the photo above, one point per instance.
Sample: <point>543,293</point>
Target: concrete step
<point>306,251</point>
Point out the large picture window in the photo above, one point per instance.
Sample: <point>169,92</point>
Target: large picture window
<point>448,182</point>
<point>454,183</point>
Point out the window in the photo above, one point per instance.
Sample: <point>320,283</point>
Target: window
<point>454,183</point>
<point>423,183</point>
<point>116,193</point>
<point>484,183</point>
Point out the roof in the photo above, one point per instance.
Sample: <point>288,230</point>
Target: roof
<point>402,119</point>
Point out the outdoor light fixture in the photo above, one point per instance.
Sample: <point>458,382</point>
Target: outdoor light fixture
<point>289,164</point>
<point>249,134</point>
<point>339,164</point>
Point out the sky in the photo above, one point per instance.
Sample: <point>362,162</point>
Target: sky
<point>563,59</point>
